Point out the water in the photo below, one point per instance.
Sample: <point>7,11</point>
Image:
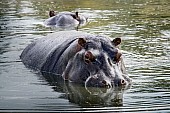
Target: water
<point>144,26</point>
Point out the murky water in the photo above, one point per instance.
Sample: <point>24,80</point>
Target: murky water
<point>144,26</point>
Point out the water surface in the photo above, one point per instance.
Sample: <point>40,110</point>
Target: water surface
<point>144,26</point>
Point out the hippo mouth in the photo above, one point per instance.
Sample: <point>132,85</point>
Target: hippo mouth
<point>95,81</point>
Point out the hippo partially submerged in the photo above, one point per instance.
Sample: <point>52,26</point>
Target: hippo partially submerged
<point>78,57</point>
<point>65,19</point>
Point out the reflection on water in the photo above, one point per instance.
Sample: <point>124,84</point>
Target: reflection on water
<point>87,96</point>
<point>145,30</point>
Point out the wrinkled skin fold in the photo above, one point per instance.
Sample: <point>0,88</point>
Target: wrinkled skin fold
<point>78,57</point>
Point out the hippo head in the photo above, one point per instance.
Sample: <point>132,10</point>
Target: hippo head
<point>98,63</point>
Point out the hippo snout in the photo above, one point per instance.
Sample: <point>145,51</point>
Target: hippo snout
<point>94,81</point>
<point>119,82</point>
<point>100,79</point>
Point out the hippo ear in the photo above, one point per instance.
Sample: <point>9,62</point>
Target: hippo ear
<point>51,13</point>
<point>76,14</point>
<point>82,42</point>
<point>116,41</point>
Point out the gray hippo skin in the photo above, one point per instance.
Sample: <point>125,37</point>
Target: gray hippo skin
<point>78,57</point>
<point>65,19</point>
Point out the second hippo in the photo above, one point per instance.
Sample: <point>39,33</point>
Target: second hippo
<point>78,57</point>
<point>65,19</point>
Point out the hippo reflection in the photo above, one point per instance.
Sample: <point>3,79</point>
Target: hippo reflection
<point>65,19</point>
<point>78,57</point>
<point>86,96</point>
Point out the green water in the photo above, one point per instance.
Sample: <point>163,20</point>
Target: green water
<point>143,25</point>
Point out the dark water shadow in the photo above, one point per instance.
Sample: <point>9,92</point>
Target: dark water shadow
<point>86,96</point>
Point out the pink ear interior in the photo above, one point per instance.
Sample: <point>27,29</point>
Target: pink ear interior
<point>51,13</point>
<point>81,42</point>
<point>116,41</point>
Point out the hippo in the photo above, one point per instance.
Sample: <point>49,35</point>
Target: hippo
<point>79,57</point>
<point>65,19</point>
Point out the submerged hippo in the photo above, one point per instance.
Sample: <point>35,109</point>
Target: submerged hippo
<point>65,19</point>
<point>78,57</point>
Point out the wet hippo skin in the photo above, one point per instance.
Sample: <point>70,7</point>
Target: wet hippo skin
<point>78,57</point>
<point>65,19</point>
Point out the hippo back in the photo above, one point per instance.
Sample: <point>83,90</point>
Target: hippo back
<point>46,51</point>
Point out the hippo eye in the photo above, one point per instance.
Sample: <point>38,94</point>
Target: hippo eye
<point>89,57</point>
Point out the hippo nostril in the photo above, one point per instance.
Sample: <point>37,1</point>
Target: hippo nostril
<point>104,82</point>
<point>122,82</point>
<point>119,82</point>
